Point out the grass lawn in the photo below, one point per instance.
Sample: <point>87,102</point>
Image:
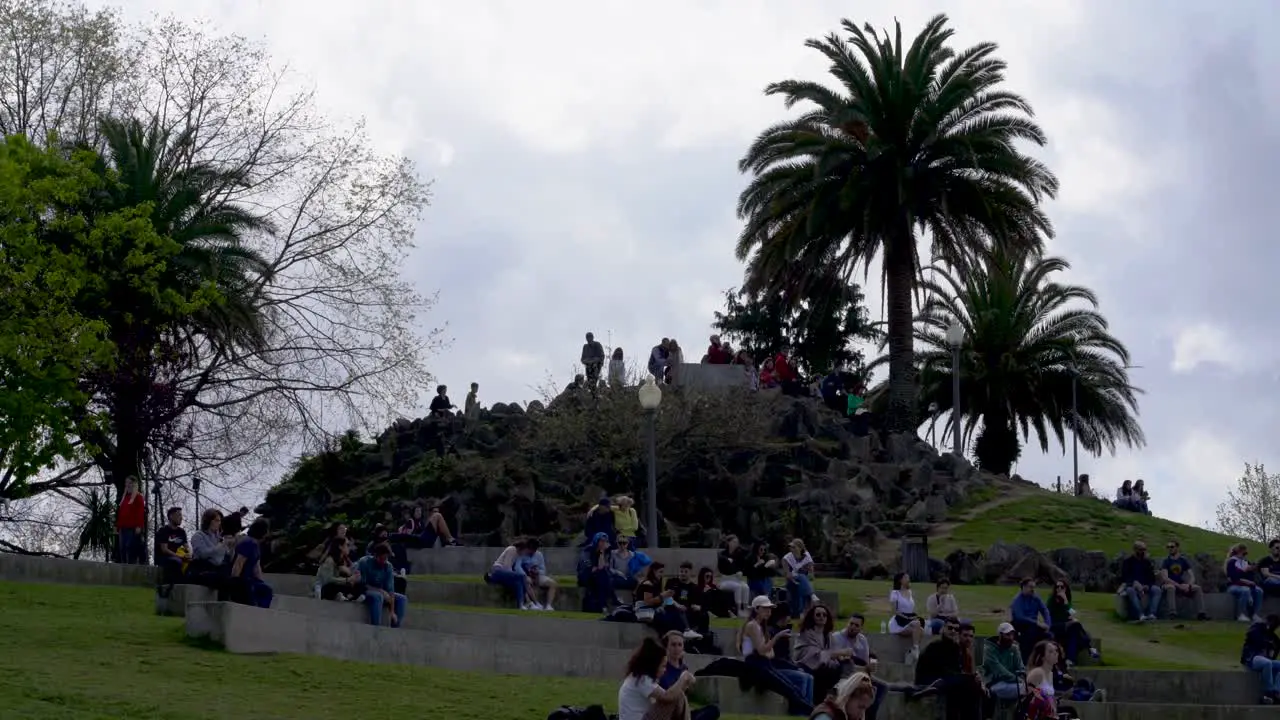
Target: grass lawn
<point>92,653</point>
<point>1048,521</point>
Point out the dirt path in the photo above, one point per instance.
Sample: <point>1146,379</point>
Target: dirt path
<point>1007,492</point>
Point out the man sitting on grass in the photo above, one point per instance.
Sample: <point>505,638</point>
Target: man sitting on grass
<point>1178,580</point>
<point>1138,585</point>
<point>379,578</point>
<point>534,564</point>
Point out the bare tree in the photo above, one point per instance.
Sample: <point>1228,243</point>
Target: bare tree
<point>344,345</point>
<point>1252,509</point>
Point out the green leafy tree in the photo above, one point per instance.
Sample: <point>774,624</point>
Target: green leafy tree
<point>1252,509</point>
<point>1026,336</point>
<point>46,344</point>
<point>917,137</point>
<point>823,331</point>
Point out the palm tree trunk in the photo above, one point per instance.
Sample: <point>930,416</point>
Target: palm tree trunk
<point>900,271</point>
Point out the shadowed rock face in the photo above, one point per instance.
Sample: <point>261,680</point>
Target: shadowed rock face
<point>754,464</point>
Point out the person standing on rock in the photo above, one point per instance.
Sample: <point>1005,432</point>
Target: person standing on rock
<point>617,369</point>
<point>471,409</point>
<point>441,404</point>
<point>658,361</point>
<point>592,360</point>
<point>131,524</point>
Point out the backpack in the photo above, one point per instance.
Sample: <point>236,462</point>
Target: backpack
<point>593,712</point>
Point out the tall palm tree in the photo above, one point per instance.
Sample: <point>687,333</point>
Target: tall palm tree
<point>914,138</point>
<point>1025,337</point>
<point>209,268</point>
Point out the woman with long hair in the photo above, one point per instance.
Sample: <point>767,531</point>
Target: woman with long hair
<point>812,649</point>
<point>1043,703</point>
<point>757,649</point>
<point>658,607</point>
<point>904,621</point>
<point>640,697</point>
<point>1065,626</point>
<point>732,562</point>
<point>849,701</point>
<point>798,564</point>
<point>337,577</point>
<point>761,567</point>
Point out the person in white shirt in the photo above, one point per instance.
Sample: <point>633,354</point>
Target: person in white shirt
<point>507,572</point>
<point>904,621</point>
<point>941,606</point>
<point>798,565</point>
<point>640,689</point>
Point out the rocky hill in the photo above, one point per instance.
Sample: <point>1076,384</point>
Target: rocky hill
<point>754,464</point>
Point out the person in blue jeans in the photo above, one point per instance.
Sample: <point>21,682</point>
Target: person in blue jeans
<point>1259,654</point>
<point>1139,586</point>
<point>506,572</point>
<point>246,583</point>
<point>378,574</point>
<point>760,569</point>
<point>1243,588</point>
<point>799,568</point>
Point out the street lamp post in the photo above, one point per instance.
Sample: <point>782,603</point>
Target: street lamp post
<point>1075,431</point>
<point>650,398</point>
<point>955,338</point>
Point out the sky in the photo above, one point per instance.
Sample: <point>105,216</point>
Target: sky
<point>584,158</point>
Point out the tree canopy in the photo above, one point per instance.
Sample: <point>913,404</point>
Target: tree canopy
<point>912,137</point>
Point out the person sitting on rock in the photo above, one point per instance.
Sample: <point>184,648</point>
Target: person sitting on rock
<point>245,581</point>
<point>1269,569</point>
<point>1065,626</point>
<point>441,405</point>
<point>1244,588</point>
<point>756,646</point>
<point>1261,646</point>
<point>903,620</point>
<point>599,519</point>
<point>435,529</point>
<point>627,565</point>
<point>716,353</point>
<point>798,565</point>
<point>1029,615</point>
<point>592,360</point>
<point>626,522</point>
<point>768,377</point>
<point>731,561</point>
<point>507,573</point>
<point>171,548</point>
<point>640,693</point>
<point>1002,665</point>
<point>596,577</point>
<point>658,359</point>
<point>1178,580</point>
<point>761,571</point>
<point>337,577</point>
<point>534,564</point>
<point>1141,497</point>
<point>617,369</point>
<point>210,551</point>
<point>811,649</point>
<point>658,608</point>
<point>941,606</point>
<point>673,668</point>
<point>379,576</point>
<point>1138,585</point>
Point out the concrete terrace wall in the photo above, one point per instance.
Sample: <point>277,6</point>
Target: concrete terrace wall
<point>561,561</point>
<point>711,377</point>
<point>33,568</point>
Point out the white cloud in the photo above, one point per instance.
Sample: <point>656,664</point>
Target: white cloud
<point>1204,343</point>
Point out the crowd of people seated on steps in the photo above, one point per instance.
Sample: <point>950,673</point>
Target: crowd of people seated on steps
<point>220,557</point>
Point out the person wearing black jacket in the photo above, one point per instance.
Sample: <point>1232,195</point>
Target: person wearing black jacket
<point>941,669</point>
<point>760,569</point>
<point>1261,646</point>
<point>731,563</point>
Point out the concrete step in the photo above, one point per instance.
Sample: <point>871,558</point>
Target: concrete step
<point>1218,606</point>
<point>561,561</point>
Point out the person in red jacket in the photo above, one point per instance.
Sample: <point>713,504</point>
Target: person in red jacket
<point>131,523</point>
<point>786,374</point>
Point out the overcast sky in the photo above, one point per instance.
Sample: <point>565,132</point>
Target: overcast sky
<point>584,157</point>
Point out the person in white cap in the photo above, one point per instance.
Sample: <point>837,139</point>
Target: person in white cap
<point>756,647</point>
<point>1002,664</point>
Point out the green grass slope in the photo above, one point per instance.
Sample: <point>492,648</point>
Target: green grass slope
<point>1047,521</point>
<point>95,653</point>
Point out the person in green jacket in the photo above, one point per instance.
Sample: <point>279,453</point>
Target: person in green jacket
<point>1002,666</point>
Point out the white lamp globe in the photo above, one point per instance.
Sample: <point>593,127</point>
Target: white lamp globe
<point>650,395</point>
<point>955,334</point>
